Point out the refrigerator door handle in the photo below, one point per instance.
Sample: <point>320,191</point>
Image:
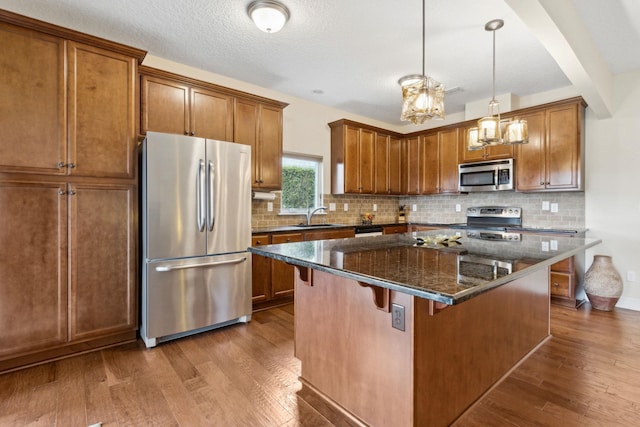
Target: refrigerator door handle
<point>164,268</point>
<point>211,219</point>
<point>200,184</point>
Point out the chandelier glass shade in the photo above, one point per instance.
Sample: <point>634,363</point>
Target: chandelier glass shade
<point>422,99</point>
<point>491,129</point>
<point>422,96</point>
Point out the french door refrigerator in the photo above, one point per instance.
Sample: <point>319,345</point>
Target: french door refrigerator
<point>196,228</point>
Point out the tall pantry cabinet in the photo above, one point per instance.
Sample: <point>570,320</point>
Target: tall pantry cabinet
<point>68,192</point>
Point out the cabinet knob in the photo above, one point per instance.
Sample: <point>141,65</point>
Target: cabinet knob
<point>288,240</point>
<point>192,133</point>
<point>541,182</point>
<point>549,182</point>
<point>556,285</point>
<point>258,242</point>
<point>62,192</point>
<point>72,192</point>
<point>72,165</point>
<point>61,165</point>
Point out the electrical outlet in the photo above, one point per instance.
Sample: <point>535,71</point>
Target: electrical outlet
<point>545,206</point>
<point>554,245</point>
<point>375,207</point>
<point>332,206</point>
<point>414,208</point>
<point>458,207</point>
<point>346,207</point>
<point>545,246</point>
<point>631,276</point>
<point>269,206</point>
<point>554,207</point>
<point>397,316</point>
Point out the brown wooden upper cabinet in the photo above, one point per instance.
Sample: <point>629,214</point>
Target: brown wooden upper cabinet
<point>177,104</point>
<point>552,160</point>
<point>491,152</point>
<point>172,106</point>
<point>71,114</point>
<point>260,126</point>
<point>352,158</point>
<point>387,164</point>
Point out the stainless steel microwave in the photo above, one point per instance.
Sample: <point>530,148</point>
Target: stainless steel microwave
<point>492,175</point>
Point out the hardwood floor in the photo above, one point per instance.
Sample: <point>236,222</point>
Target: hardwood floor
<point>246,375</point>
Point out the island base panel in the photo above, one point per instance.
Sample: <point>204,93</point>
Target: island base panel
<point>354,363</point>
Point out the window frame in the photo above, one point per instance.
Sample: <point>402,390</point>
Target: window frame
<point>317,160</point>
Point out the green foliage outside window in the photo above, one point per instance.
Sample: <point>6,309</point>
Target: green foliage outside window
<point>298,187</point>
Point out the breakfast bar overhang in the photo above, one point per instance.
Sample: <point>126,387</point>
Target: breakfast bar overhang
<point>392,330</point>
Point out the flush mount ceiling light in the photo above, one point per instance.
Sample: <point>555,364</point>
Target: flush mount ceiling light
<point>269,16</point>
<point>489,130</point>
<point>422,96</point>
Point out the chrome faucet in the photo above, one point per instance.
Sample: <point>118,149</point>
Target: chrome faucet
<point>310,214</point>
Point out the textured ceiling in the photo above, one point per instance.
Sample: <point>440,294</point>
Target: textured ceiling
<point>352,52</point>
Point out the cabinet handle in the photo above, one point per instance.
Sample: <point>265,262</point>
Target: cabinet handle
<point>72,192</point>
<point>62,192</point>
<point>258,242</point>
<point>192,133</point>
<point>61,165</point>
<point>288,240</point>
<point>72,165</point>
<point>541,182</point>
<point>548,182</point>
<point>556,285</point>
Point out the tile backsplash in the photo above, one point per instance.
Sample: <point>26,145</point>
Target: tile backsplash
<point>434,209</point>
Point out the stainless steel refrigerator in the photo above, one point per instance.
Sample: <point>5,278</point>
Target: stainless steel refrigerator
<point>196,228</point>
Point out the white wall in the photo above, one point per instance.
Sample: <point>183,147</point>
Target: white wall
<point>612,197</point>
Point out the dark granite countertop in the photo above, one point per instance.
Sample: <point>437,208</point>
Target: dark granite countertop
<point>448,274</point>
<point>302,228</point>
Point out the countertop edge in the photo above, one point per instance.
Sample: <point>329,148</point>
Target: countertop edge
<point>421,293</point>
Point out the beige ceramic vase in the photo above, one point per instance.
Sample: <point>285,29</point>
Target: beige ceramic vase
<point>602,283</point>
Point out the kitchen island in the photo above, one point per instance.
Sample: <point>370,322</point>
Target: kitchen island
<point>392,332</point>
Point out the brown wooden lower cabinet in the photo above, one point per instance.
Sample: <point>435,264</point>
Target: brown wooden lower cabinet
<point>394,229</point>
<point>69,269</point>
<point>562,281</point>
<point>273,280</point>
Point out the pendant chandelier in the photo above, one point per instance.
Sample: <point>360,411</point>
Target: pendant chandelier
<point>491,129</point>
<point>422,96</point>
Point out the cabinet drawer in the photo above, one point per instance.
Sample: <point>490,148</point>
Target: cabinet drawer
<point>395,229</point>
<point>287,238</point>
<point>566,265</point>
<point>560,284</point>
<point>330,234</point>
<point>260,239</point>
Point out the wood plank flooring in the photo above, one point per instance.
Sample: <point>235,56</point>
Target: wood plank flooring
<point>588,374</point>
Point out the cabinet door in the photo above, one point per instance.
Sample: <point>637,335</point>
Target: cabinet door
<point>102,112</point>
<point>32,102</point>
<point>563,148</point>
<point>429,155</point>
<point>351,160</point>
<point>448,161</point>
<point>394,165</point>
<point>282,274</point>
<point>270,148</point>
<point>530,158</point>
<point>260,271</point>
<point>211,115</point>
<point>165,106</point>
<point>33,266</point>
<point>103,296</point>
<point>412,148</point>
<point>381,164</point>
<point>366,158</point>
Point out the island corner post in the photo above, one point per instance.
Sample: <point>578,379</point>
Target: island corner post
<point>355,362</point>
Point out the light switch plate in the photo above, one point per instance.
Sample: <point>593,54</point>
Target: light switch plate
<point>545,246</point>
<point>414,207</point>
<point>375,207</point>
<point>269,206</point>
<point>554,207</point>
<point>545,206</point>
<point>458,207</point>
<point>554,245</point>
<point>332,206</point>
<point>346,207</point>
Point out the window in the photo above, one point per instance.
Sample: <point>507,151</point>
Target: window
<point>301,183</point>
